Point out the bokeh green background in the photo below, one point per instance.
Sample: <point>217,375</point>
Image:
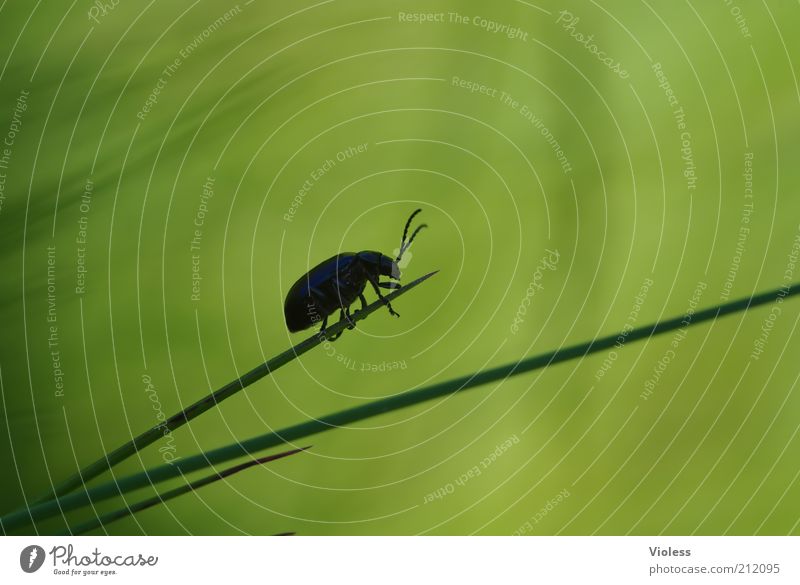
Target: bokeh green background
<point>262,101</point>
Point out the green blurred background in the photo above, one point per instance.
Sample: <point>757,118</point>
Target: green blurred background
<point>252,99</point>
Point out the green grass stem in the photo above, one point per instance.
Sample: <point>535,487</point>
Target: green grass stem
<point>106,519</point>
<point>155,433</point>
<point>393,403</point>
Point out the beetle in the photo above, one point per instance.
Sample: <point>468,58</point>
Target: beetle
<point>338,281</point>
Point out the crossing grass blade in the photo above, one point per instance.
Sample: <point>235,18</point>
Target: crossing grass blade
<point>153,434</point>
<point>106,519</point>
<point>248,447</point>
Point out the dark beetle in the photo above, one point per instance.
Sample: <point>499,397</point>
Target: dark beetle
<point>339,281</point>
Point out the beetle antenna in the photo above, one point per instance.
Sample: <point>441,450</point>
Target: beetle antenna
<point>405,230</point>
<point>406,245</point>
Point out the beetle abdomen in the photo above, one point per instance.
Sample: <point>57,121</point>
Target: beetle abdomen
<point>301,313</point>
<point>329,286</point>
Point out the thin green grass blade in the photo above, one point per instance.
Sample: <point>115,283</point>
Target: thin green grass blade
<point>155,433</point>
<point>377,407</point>
<point>110,517</point>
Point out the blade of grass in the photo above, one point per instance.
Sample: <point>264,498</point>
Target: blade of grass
<point>110,517</point>
<point>351,415</point>
<point>153,434</point>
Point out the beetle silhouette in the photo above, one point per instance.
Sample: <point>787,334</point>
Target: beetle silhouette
<point>338,281</point>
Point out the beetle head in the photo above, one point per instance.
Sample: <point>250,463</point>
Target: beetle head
<point>379,264</point>
<point>390,268</point>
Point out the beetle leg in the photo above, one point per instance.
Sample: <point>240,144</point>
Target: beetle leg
<point>344,315</point>
<point>324,326</point>
<point>374,284</point>
<point>351,323</point>
<point>338,335</point>
<point>363,300</point>
<point>390,285</point>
